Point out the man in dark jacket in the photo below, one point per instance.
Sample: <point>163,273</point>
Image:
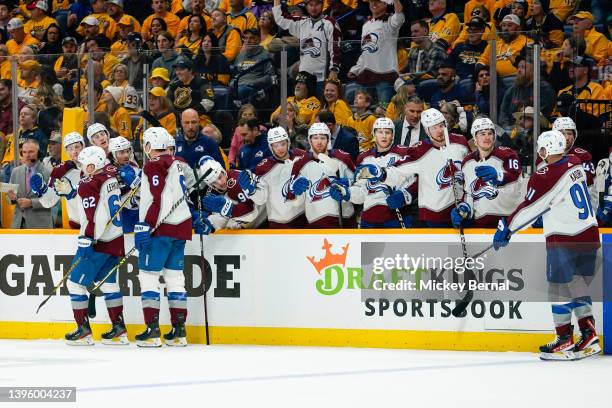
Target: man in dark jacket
<point>192,144</point>
<point>341,138</point>
<point>255,147</point>
<point>190,91</point>
<point>253,65</point>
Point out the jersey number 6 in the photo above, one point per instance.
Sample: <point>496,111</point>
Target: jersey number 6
<point>113,206</point>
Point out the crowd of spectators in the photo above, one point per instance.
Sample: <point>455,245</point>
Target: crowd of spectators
<point>211,69</point>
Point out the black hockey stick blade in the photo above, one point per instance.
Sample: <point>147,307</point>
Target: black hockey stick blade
<point>91,306</point>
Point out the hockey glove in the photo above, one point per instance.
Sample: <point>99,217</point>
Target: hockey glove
<point>539,223</point>
<point>398,199</point>
<point>201,224</point>
<point>247,181</point>
<point>490,175</point>
<point>604,213</point>
<point>38,185</point>
<point>128,176</point>
<point>85,249</point>
<point>502,236</point>
<point>63,187</point>
<point>142,237</point>
<point>370,172</point>
<point>460,214</point>
<point>218,204</point>
<point>339,190</point>
<point>299,185</point>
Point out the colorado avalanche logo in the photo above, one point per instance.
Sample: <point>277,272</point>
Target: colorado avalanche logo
<point>444,178</point>
<point>285,189</point>
<point>369,43</point>
<point>374,187</point>
<point>231,182</point>
<point>481,189</point>
<point>311,46</point>
<point>320,188</point>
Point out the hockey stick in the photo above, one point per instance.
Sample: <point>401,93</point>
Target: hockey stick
<point>91,303</point>
<point>203,266</point>
<point>131,251</point>
<point>74,265</point>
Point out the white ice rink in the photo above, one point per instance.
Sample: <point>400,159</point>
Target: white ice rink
<point>250,376</point>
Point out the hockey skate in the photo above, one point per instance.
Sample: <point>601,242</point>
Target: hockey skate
<point>588,343</point>
<point>81,336</point>
<point>177,336</point>
<point>151,336</point>
<point>562,348</point>
<point>117,335</point>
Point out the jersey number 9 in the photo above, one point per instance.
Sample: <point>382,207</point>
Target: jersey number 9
<point>581,199</point>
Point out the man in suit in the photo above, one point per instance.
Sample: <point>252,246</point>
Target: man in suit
<point>409,131</point>
<point>29,213</point>
<point>341,138</point>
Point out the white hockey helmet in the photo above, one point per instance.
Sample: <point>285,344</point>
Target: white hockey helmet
<point>210,169</point>
<point>318,128</point>
<point>171,141</point>
<point>566,123</point>
<point>117,144</point>
<point>277,134</point>
<point>482,124</point>
<point>552,142</point>
<point>95,128</point>
<point>383,123</point>
<point>156,137</point>
<point>92,155</point>
<point>431,117</point>
<point>73,137</point>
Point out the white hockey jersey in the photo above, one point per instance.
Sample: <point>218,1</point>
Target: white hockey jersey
<point>436,196</point>
<point>562,186</point>
<point>273,177</point>
<point>322,210</point>
<point>319,42</point>
<point>490,202</point>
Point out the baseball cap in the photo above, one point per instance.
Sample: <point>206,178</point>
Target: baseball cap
<point>125,20</point>
<point>512,18</point>
<point>304,77</point>
<point>90,20</point>
<point>582,15</point>
<point>477,22</point>
<point>66,40</point>
<point>41,4</point>
<point>117,3</point>
<point>56,136</point>
<point>14,24</point>
<point>158,91</point>
<point>183,64</point>
<point>134,36</point>
<point>160,72</point>
<point>583,61</point>
<point>116,92</point>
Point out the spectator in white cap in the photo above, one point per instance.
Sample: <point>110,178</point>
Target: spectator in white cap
<point>39,21</point>
<point>508,47</point>
<point>19,38</point>
<point>121,123</point>
<point>115,10</point>
<point>90,27</point>
<point>106,23</point>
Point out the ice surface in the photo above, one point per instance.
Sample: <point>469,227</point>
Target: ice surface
<point>253,376</point>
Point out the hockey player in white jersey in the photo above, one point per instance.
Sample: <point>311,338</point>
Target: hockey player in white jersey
<point>163,251</point>
<point>63,180</point>
<point>491,188</point>
<point>100,245</point>
<point>604,174</point>
<point>436,162</point>
<point>373,195</point>
<point>313,175</point>
<point>270,184</point>
<point>122,157</point>
<point>98,135</point>
<point>319,39</point>
<point>229,206</point>
<point>572,242</point>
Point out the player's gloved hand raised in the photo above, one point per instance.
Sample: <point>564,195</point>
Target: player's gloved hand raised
<point>370,172</point>
<point>142,237</point>
<point>85,249</point>
<point>63,187</point>
<point>218,204</point>
<point>490,175</point>
<point>247,181</point>
<point>539,223</point>
<point>201,224</point>
<point>398,199</point>
<point>604,213</point>
<point>460,214</point>
<point>299,185</point>
<point>38,185</point>
<point>502,235</point>
<point>339,190</point>
<point>128,176</point>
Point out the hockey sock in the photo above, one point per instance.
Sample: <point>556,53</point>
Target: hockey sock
<point>583,307</point>
<point>79,315</point>
<point>150,305</point>
<point>562,314</point>
<point>178,305</point>
<point>79,307</point>
<point>114,305</point>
